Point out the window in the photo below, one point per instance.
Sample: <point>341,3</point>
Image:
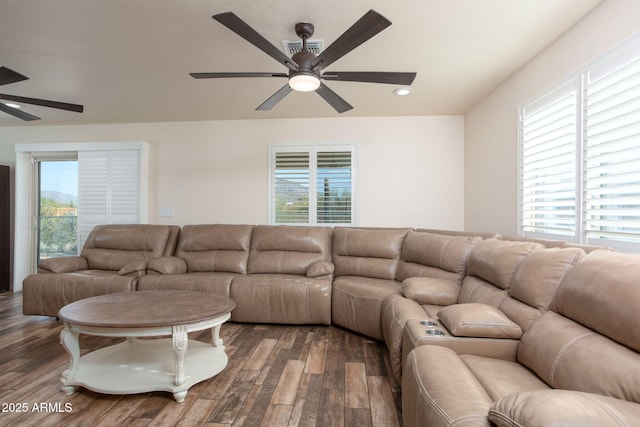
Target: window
<point>580,157</point>
<point>312,185</point>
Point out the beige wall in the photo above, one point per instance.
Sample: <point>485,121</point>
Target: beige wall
<point>491,126</point>
<point>409,168</point>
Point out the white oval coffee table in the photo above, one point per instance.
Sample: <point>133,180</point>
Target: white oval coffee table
<point>141,365</point>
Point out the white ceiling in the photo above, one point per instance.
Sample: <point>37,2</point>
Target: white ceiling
<point>128,60</point>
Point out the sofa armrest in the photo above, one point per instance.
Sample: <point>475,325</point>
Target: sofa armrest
<point>478,320</point>
<point>429,290</point>
<point>65,264</point>
<point>562,407</point>
<point>167,265</point>
<point>136,268</point>
<point>320,268</point>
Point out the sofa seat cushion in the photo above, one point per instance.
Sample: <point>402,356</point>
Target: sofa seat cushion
<point>478,320</point>
<point>431,310</point>
<point>500,378</point>
<point>46,294</point>
<point>357,303</point>
<point>563,407</point>
<point>429,290</point>
<point>217,283</point>
<point>439,390</point>
<point>281,298</point>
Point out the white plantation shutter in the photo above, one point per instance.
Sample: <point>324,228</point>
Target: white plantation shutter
<point>312,185</point>
<point>580,156</point>
<point>548,165</point>
<point>612,198</point>
<point>291,188</point>
<point>333,183</point>
<point>109,189</point>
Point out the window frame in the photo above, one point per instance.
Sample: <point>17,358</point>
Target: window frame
<point>313,150</point>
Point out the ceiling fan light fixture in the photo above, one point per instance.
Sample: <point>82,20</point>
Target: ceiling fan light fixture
<point>304,82</point>
<point>402,91</point>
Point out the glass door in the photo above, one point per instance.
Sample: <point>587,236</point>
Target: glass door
<point>57,208</point>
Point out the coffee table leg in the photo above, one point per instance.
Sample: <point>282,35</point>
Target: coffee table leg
<point>215,336</point>
<point>69,340</point>
<point>180,344</point>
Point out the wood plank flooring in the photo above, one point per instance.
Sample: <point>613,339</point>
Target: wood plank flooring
<point>277,376</point>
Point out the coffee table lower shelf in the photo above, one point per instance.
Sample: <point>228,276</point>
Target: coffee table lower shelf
<point>140,366</point>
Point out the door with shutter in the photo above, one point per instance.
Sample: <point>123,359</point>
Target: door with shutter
<point>108,189</point>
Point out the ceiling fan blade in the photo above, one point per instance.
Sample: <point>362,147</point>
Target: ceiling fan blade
<point>370,77</point>
<point>8,76</point>
<point>339,104</point>
<point>18,113</point>
<point>241,28</point>
<point>365,28</point>
<point>231,75</point>
<point>43,103</point>
<point>275,98</point>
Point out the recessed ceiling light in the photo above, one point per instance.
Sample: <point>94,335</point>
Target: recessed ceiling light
<point>402,91</point>
<point>11,104</point>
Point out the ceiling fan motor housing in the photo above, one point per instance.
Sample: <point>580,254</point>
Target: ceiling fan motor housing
<point>305,79</point>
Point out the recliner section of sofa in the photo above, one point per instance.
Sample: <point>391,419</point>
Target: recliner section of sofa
<point>207,258</point>
<point>580,350</point>
<point>498,301</point>
<point>431,269</point>
<point>289,277</point>
<point>113,259</point>
<point>366,261</point>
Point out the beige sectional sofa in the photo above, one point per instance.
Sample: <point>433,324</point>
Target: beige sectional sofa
<point>481,329</point>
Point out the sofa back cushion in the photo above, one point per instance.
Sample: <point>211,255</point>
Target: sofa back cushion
<point>589,340</point>
<point>435,255</point>
<point>281,249</point>
<point>602,293</point>
<point>490,270</point>
<point>215,247</point>
<point>535,282</point>
<point>112,246</point>
<point>367,252</point>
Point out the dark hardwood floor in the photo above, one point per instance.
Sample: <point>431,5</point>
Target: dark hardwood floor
<point>276,376</point>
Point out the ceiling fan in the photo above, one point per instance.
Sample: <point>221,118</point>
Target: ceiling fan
<point>305,68</point>
<point>8,76</point>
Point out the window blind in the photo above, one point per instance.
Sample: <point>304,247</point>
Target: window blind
<point>612,165</point>
<point>333,187</point>
<point>548,165</point>
<point>291,187</point>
